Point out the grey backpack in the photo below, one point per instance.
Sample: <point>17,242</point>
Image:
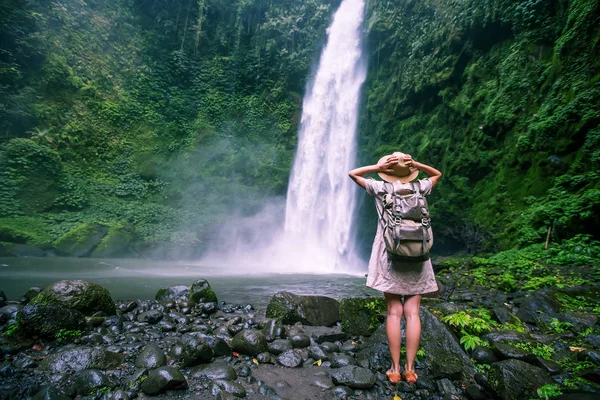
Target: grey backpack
<point>406,225</point>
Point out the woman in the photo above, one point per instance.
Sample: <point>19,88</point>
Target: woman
<point>398,279</point>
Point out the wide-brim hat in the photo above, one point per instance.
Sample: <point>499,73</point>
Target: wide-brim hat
<point>401,172</point>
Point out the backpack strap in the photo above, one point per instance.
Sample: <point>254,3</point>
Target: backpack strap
<point>388,188</point>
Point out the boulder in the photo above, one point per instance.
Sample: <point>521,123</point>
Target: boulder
<point>163,379</point>
<point>221,387</point>
<point>80,241</point>
<point>80,295</point>
<point>249,342</point>
<point>361,316</point>
<point>151,357</point>
<point>115,243</point>
<point>290,359</point>
<point>517,380</point>
<point>309,310</point>
<point>48,320</point>
<point>443,351</point>
<point>89,381</point>
<point>353,377</point>
<point>375,350</point>
<point>215,370</point>
<point>201,292</point>
<point>173,293</point>
<point>190,351</point>
<point>80,358</point>
<point>538,307</point>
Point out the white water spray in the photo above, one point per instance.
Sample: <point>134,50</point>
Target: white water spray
<point>321,198</point>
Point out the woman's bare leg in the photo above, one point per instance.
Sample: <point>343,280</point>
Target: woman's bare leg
<point>413,329</point>
<point>392,329</point>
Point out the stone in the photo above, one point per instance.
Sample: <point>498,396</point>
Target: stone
<point>2,299</point>
<point>30,294</point>
<point>446,387</point>
<point>361,316</point>
<point>233,388</point>
<point>375,351</point>
<point>548,365</point>
<point>330,347</point>
<point>505,351</point>
<point>594,340</point>
<point>579,320</point>
<point>340,360</point>
<point>50,393</point>
<point>201,292</point>
<point>90,380</point>
<point>299,340</point>
<point>150,357</point>
<point>538,307</point>
<point>322,334</point>
<point>289,359</point>
<point>249,342</point>
<point>316,353</point>
<point>219,346</point>
<point>81,241</point>
<point>115,243</point>
<point>475,392</point>
<point>151,316</point>
<point>172,293</point>
<point>274,329</point>
<point>504,336</point>
<point>190,351</point>
<point>517,380</point>
<point>443,351</point>
<point>353,377</point>
<point>278,346</point>
<point>483,355</point>
<point>504,315</point>
<point>342,392</point>
<point>80,358</point>
<point>80,295</point>
<point>163,379</point>
<point>309,310</point>
<point>215,370</point>
<point>49,320</point>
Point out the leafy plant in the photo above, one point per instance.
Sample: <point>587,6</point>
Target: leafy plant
<point>66,335</point>
<point>548,391</point>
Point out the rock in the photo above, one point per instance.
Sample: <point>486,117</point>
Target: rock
<point>229,387</point>
<point>504,336</point>
<point>299,340</point>
<point>483,355</point>
<point>151,357</point>
<point>249,342</point>
<point>48,320</point>
<point>88,381</point>
<point>118,394</point>
<point>133,383</point>
<point>163,379</point>
<point>361,316</point>
<point>80,241</point>
<point>264,358</point>
<point>50,393</point>
<point>151,316</point>
<point>322,334</point>
<point>548,365</point>
<point>219,346</point>
<point>538,307</point>
<point>443,351</point>
<point>340,360</point>
<point>578,396</point>
<point>375,350</point>
<point>2,299</point>
<point>316,353</point>
<point>274,329</point>
<point>80,358</point>
<point>446,387</point>
<point>30,294</point>
<point>20,250</point>
<point>115,243</point>
<point>309,310</point>
<point>504,315</point>
<point>353,377</point>
<point>279,346</point>
<point>173,293</point>
<point>14,344</point>
<point>289,359</point>
<point>82,296</point>
<point>579,320</point>
<point>517,380</point>
<point>190,351</point>
<point>594,340</point>
<point>475,392</point>
<point>342,392</point>
<point>215,370</point>
<point>201,292</point>
<point>505,351</point>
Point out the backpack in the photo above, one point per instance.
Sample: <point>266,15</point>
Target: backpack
<point>406,224</point>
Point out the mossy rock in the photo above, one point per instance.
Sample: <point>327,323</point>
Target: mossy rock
<point>81,241</point>
<point>309,310</point>
<point>83,296</point>
<point>20,250</point>
<point>115,243</point>
<point>201,292</point>
<point>361,316</point>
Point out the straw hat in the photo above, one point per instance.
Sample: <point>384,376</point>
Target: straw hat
<point>402,172</point>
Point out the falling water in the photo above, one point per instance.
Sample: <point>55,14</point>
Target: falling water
<point>321,198</point>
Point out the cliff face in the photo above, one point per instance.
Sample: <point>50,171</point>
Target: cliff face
<point>158,114</point>
<point>503,97</point>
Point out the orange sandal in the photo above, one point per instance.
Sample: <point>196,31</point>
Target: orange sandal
<point>393,377</point>
<point>410,376</point>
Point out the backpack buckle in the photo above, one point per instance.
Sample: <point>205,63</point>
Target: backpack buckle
<point>426,222</point>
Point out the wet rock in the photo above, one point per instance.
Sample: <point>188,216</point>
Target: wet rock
<point>548,365</point>
<point>89,381</point>
<point>201,292</point>
<point>353,377</point>
<point>116,243</point>
<point>316,353</point>
<point>219,346</point>
<point>322,334</point>
<point>538,307</point>
<point>360,316</point>
<point>342,392</point>
<point>475,392</point>
<point>299,340</point>
<point>505,351</point>
<point>483,355</point>
<point>151,357</point>
<point>375,351</point>
<point>210,307</point>
<point>341,360</point>
<point>517,380</point>
<point>179,292</point>
<point>30,294</point>
<point>289,359</point>
<point>504,315</point>
<point>50,393</point>
<point>48,320</point>
<point>215,370</point>
<point>229,387</point>
<point>274,329</point>
<point>249,342</point>
<point>127,306</point>
<point>190,351</point>
<point>279,346</point>
<point>590,355</point>
<point>2,299</point>
<point>504,336</point>
<point>80,241</point>
<point>446,387</point>
<point>310,310</point>
<point>134,382</point>
<point>162,379</point>
<point>118,394</point>
<point>14,344</point>
<point>579,320</point>
<point>330,347</point>
<point>150,317</point>
<point>80,358</point>
<point>82,296</point>
<point>264,358</point>
<point>444,353</point>
<point>594,340</point>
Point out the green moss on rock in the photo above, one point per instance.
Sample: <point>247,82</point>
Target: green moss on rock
<point>361,316</point>
<point>115,243</point>
<point>82,240</point>
<point>80,295</point>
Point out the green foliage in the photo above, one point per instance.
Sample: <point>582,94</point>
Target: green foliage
<point>12,329</point>
<point>548,391</point>
<point>559,326</point>
<point>536,348</point>
<point>361,316</point>
<point>471,324</point>
<point>66,335</point>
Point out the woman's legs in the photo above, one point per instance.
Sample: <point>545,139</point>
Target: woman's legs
<point>392,329</point>
<point>413,329</point>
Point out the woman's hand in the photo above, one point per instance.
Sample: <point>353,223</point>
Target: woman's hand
<point>408,161</point>
<point>385,165</point>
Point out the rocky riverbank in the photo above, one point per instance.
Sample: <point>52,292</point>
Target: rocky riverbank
<point>71,340</point>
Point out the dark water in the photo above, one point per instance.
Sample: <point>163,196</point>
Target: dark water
<point>140,279</point>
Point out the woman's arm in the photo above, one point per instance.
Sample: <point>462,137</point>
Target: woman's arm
<point>433,173</point>
<point>384,166</point>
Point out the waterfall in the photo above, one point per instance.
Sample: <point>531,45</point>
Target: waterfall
<point>321,199</point>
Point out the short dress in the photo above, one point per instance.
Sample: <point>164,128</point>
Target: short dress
<point>397,277</point>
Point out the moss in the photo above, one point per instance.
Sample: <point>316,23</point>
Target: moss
<point>29,230</point>
<point>81,240</point>
<point>277,309</point>
<point>361,316</point>
<point>116,241</point>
